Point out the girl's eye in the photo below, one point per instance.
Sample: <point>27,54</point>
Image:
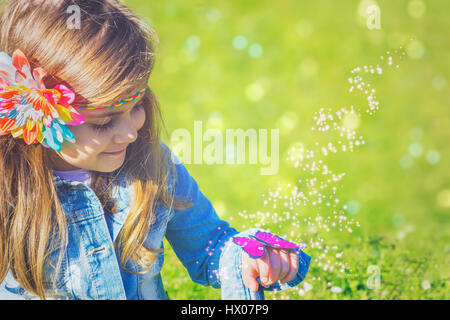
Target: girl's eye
<point>104,127</point>
<point>110,124</point>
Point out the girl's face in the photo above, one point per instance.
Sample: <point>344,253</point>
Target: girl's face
<point>104,132</point>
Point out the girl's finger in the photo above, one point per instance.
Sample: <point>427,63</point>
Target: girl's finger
<point>285,264</point>
<point>275,265</point>
<point>249,273</point>
<point>293,259</point>
<point>264,267</point>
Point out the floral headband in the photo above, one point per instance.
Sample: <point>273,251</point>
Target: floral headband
<point>34,113</point>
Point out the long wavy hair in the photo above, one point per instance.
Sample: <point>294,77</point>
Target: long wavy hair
<point>109,57</point>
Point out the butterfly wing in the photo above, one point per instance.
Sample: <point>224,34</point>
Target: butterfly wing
<point>252,247</point>
<point>275,241</point>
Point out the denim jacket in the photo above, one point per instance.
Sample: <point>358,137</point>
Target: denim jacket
<point>200,239</point>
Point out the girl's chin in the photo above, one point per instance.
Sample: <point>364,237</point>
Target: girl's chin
<point>109,163</point>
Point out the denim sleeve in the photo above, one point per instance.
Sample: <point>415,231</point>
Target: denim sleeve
<point>197,234</point>
<point>201,241</point>
<point>231,273</point>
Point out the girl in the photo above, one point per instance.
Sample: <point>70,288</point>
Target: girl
<point>88,189</point>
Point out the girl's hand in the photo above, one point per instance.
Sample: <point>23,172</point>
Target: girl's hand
<point>274,265</point>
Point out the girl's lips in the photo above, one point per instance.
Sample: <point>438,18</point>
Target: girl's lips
<point>115,153</point>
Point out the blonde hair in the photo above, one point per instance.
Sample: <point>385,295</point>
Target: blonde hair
<point>110,57</point>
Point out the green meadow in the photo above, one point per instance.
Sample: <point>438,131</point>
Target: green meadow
<point>273,65</point>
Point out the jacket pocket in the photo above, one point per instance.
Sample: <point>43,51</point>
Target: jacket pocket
<point>12,289</point>
<point>56,278</point>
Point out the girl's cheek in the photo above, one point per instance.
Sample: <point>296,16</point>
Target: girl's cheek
<point>86,138</point>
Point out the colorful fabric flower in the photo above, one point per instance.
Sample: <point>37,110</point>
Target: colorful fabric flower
<point>30,111</point>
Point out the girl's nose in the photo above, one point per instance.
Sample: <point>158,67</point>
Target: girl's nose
<point>126,132</point>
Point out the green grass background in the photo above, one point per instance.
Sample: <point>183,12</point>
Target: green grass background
<point>308,51</point>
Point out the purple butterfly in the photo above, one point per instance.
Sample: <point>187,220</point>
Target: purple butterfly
<point>254,246</point>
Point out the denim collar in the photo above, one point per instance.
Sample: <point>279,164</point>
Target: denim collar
<point>80,202</point>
